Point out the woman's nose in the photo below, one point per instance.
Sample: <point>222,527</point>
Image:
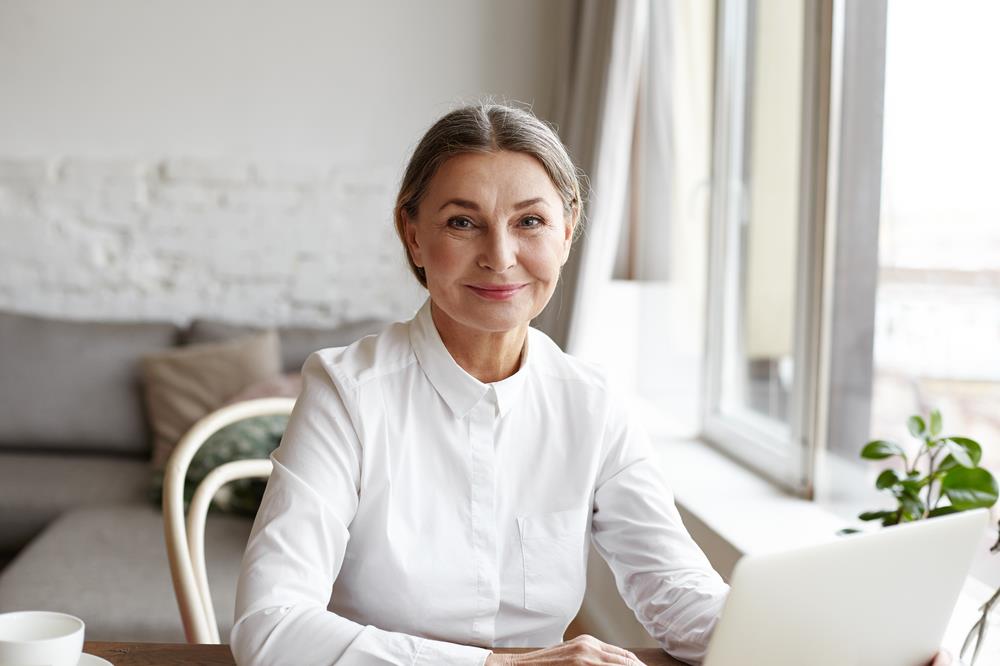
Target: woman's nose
<point>499,252</point>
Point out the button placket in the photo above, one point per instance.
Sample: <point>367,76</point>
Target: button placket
<point>484,536</point>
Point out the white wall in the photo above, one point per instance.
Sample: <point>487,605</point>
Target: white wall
<point>172,158</point>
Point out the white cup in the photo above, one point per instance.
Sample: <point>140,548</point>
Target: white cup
<point>40,638</point>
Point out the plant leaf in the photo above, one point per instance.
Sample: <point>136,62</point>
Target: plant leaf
<point>948,463</point>
<point>970,488</point>
<point>848,530</point>
<point>959,453</point>
<point>907,490</point>
<point>916,426</point>
<point>942,511</point>
<point>874,515</point>
<point>880,449</point>
<point>935,423</point>
<point>887,479</point>
<point>971,447</point>
<point>912,506</point>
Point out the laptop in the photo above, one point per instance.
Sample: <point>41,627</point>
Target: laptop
<point>874,599</point>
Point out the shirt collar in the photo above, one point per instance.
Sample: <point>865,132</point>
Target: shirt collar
<point>460,390</point>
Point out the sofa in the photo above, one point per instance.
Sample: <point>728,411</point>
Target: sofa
<point>79,532</point>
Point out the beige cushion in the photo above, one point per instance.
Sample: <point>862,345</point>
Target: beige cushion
<point>182,385</point>
<point>297,342</point>
<point>288,385</point>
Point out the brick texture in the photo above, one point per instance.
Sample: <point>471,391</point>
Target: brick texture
<point>269,243</point>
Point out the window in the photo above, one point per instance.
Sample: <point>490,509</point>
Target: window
<point>795,221</point>
<point>937,335</point>
<point>754,393</point>
<point>855,250</point>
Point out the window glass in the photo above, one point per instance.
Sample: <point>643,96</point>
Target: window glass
<point>761,367</point>
<point>937,337</point>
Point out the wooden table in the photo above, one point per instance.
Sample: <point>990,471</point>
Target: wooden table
<point>171,654</point>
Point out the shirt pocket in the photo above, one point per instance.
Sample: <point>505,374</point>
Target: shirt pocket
<point>554,554</point>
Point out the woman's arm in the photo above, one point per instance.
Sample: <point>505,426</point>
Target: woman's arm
<point>298,542</point>
<point>660,571</point>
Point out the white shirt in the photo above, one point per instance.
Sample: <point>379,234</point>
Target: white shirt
<point>415,513</point>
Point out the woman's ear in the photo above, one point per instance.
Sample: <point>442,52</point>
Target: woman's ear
<point>410,235</point>
<point>570,227</point>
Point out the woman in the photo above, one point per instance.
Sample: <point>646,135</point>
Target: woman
<point>438,484</point>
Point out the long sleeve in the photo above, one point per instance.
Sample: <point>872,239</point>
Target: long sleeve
<point>298,543</point>
<point>659,570</point>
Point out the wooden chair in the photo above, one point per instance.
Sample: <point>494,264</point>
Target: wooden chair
<point>186,539</point>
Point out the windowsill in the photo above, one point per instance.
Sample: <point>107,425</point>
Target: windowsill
<point>748,512</point>
<point>732,512</point>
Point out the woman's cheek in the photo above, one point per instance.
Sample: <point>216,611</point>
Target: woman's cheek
<point>447,256</point>
<point>549,259</point>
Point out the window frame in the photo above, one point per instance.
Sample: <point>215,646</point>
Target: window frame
<point>843,55</point>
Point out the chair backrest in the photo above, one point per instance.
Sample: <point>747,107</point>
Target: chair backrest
<point>185,539</point>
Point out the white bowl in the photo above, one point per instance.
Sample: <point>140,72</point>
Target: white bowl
<point>40,638</point>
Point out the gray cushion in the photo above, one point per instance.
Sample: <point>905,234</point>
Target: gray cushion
<point>297,342</point>
<point>108,566</point>
<point>37,488</point>
<point>68,384</point>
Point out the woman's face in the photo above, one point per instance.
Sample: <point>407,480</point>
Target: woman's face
<point>491,236</point>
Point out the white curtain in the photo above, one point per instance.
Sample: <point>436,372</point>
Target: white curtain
<point>595,114</point>
<point>635,112</point>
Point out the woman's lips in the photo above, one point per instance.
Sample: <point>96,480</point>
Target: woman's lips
<point>496,292</point>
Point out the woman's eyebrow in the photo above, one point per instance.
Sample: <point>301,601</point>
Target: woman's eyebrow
<point>472,205</point>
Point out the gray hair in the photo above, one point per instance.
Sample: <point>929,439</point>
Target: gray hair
<point>482,128</point>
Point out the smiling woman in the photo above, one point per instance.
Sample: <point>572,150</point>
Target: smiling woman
<point>490,257</point>
<point>438,484</point>
<point>488,209</point>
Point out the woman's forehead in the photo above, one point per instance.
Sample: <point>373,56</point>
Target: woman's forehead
<point>501,176</point>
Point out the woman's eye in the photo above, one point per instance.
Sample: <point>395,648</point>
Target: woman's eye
<point>532,222</point>
<point>460,223</point>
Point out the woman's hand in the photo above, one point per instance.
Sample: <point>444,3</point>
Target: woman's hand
<point>581,651</point>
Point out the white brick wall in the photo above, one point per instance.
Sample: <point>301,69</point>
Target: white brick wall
<point>178,159</point>
<point>180,237</point>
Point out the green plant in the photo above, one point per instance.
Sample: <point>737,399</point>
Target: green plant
<point>943,469</point>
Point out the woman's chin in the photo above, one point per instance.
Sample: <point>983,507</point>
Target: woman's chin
<point>497,322</point>
<point>496,316</point>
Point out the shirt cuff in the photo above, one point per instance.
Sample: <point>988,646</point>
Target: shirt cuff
<point>433,652</point>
